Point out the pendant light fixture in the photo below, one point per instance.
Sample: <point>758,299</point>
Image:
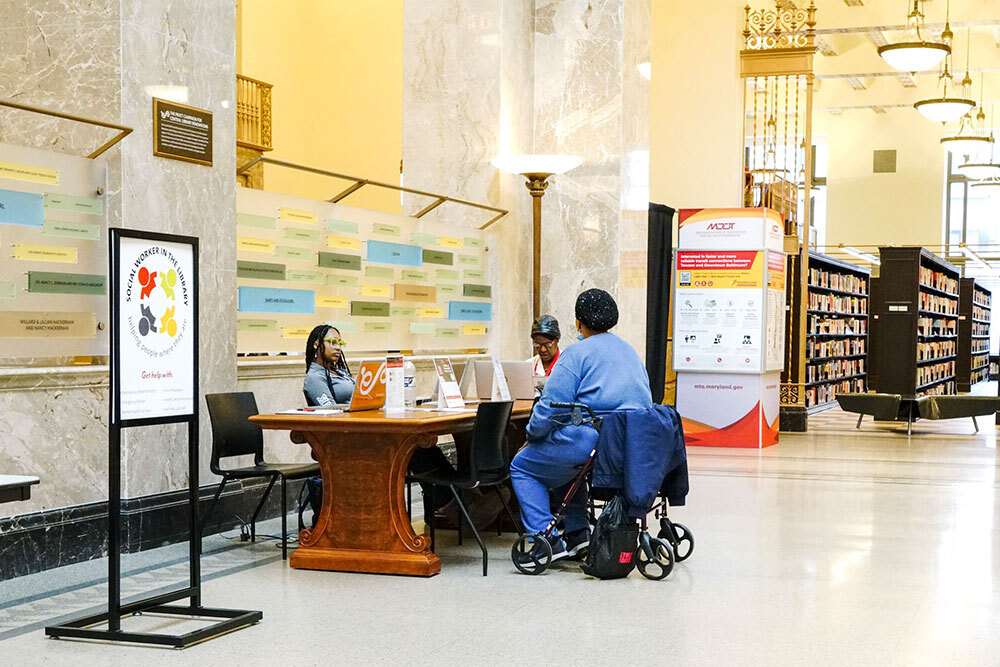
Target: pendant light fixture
<point>945,109</point>
<point>979,170</point>
<point>914,53</point>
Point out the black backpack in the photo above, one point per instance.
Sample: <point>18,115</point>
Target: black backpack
<point>611,554</point>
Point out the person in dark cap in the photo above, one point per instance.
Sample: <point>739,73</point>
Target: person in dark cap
<point>545,343</point>
<point>601,371</point>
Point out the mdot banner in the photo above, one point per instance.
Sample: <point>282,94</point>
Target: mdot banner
<point>156,331</point>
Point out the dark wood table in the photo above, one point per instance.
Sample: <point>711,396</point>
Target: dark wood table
<point>16,487</point>
<point>363,458</point>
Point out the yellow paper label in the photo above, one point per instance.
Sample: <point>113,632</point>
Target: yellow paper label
<point>295,332</point>
<point>344,242</point>
<point>473,330</point>
<point>430,311</point>
<point>376,290</point>
<point>29,173</point>
<point>255,245</point>
<point>329,301</point>
<point>449,242</point>
<point>44,253</point>
<point>295,215</point>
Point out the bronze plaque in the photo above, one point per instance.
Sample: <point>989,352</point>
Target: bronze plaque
<point>181,132</point>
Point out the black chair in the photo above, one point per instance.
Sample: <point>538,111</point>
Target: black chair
<point>233,434</point>
<point>487,466</point>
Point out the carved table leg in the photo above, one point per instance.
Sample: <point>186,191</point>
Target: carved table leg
<point>362,524</point>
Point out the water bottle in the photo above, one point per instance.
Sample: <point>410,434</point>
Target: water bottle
<point>409,384</point>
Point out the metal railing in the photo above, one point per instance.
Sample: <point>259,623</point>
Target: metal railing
<point>253,113</point>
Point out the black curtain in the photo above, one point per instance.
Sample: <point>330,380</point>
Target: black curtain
<point>658,265</point>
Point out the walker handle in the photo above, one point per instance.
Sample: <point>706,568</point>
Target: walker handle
<point>576,411</point>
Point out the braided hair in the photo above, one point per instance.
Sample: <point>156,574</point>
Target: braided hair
<point>315,340</point>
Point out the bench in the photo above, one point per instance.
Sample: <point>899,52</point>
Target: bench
<point>879,406</point>
<point>956,407</point>
<point>886,407</point>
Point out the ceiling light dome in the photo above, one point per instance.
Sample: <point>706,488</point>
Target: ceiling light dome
<point>914,53</point>
<point>980,171</point>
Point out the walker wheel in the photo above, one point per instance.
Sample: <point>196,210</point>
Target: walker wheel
<point>657,565</point>
<point>684,535</point>
<point>531,554</point>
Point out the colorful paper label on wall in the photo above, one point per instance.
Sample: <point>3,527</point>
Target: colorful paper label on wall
<point>473,242</point>
<point>256,221</point>
<point>423,238</point>
<point>308,276</point>
<point>438,257</point>
<point>379,272</point>
<point>378,327</point>
<point>474,274</point>
<point>415,293</point>
<point>29,324</point>
<point>369,309</point>
<point>342,226</point>
<point>331,301</point>
<point>295,332</point>
<point>299,234</point>
<point>413,276</point>
<point>243,324</point>
<point>344,327</point>
<point>422,328</point>
<point>44,253</point>
<point>384,229</point>
<point>296,215</point>
<point>74,230</point>
<point>86,205</point>
<point>446,332</point>
<point>449,242</point>
<point>255,245</point>
<point>21,208</point>
<point>29,173</point>
<point>44,282</point>
<point>473,330</point>
<point>468,260</point>
<point>394,253</point>
<point>468,310</point>
<point>259,270</point>
<point>445,289</point>
<point>430,311</point>
<point>478,291</point>
<point>292,252</point>
<point>336,260</point>
<point>402,311</point>
<point>446,274</point>
<point>6,291</point>
<point>344,242</point>
<point>337,280</point>
<point>376,290</point>
<point>275,300</point>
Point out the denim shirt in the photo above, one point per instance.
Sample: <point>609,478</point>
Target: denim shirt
<point>325,387</point>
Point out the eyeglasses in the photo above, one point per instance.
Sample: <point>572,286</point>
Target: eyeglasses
<point>551,344</point>
<point>339,342</point>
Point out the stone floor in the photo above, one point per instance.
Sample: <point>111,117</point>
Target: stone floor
<point>835,547</point>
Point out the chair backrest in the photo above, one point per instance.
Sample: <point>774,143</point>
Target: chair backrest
<point>487,451</point>
<point>309,402</point>
<point>232,432</point>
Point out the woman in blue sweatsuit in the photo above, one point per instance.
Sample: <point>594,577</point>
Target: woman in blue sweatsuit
<point>601,371</point>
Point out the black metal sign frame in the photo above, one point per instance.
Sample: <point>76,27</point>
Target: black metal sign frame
<point>89,627</point>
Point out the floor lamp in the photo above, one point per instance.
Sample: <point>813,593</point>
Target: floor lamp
<point>536,169</point>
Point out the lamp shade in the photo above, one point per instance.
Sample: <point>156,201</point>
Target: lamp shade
<point>990,188</point>
<point>970,146</point>
<point>944,109</point>
<point>913,56</point>
<point>536,164</point>
<point>979,171</point>
<point>645,69</point>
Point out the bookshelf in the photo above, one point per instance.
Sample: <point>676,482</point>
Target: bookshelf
<point>973,344</point>
<point>836,331</point>
<point>917,308</point>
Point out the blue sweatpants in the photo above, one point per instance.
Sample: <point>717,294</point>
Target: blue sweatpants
<point>540,468</point>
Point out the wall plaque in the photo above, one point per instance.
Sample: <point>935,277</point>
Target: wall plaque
<point>22,324</point>
<point>415,293</point>
<point>181,132</point>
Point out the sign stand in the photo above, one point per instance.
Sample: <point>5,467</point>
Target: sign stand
<point>168,265</point>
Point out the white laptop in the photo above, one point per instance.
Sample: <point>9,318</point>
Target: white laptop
<point>519,374</point>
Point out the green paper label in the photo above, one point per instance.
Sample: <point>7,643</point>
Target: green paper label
<point>337,260</point>
<point>471,242</point>
<point>299,234</point>
<point>341,226</point>
<point>76,230</point>
<point>256,325</point>
<point>378,272</point>
<point>6,291</point>
<point>423,238</point>
<point>446,332</point>
<point>402,311</point>
<point>258,221</point>
<point>422,327</point>
<point>88,205</point>
<point>260,270</point>
<point>43,282</point>
<point>414,276</point>
<point>444,289</point>
<point>378,327</point>
<point>480,291</point>
<point>344,327</point>
<point>369,309</point>
<point>310,276</point>
<point>474,274</point>
<point>446,274</point>
<point>438,257</point>
<point>468,260</point>
<point>292,252</point>
<point>384,229</point>
<point>341,281</point>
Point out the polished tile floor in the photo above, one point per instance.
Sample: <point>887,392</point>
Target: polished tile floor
<point>835,547</point>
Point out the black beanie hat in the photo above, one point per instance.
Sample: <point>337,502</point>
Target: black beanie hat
<point>597,310</point>
<point>546,325</point>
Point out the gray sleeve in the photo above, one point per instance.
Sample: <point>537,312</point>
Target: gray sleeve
<point>317,389</point>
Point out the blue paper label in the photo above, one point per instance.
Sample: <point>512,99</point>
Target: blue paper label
<point>467,310</point>
<point>271,300</point>
<point>395,253</point>
<point>22,208</point>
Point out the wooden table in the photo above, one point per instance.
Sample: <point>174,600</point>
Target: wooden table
<point>363,458</point>
<point>16,487</point>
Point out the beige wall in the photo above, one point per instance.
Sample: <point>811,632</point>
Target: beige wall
<point>905,207</point>
<point>337,70</point>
